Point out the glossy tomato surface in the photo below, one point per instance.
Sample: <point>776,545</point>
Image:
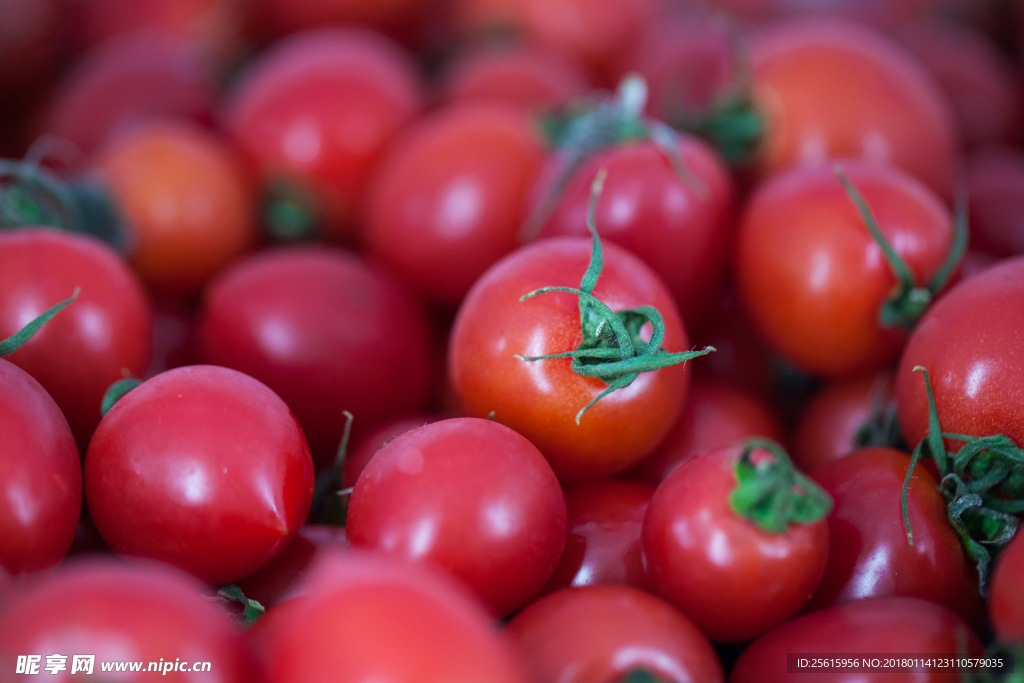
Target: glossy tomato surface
<point>201,467</point>
<point>540,399</point>
<point>363,448</point>
<point>469,496</point>
<point>88,346</point>
<point>602,633</point>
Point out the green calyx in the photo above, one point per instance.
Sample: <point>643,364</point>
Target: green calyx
<point>612,349</point>
<point>773,493</point>
<point>290,212</point>
<point>116,391</point>
<point>252,609</point>
<point>982,484</point>
<point>642,676</point>
<point>330,500</point>
<point>15,342</point>
<point>909,301</point>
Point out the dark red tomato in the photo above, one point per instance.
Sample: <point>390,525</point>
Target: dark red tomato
<point>995,185</point>
<point>540,399</point>
<point>716,415</point>
<point>870,556</point>
<point>133,77</point>
<point>86,348</point>
<point>450,198</point>
<point>40,475</point>
<point>318,109</point>
<point>365,617</point>
<point>528,76</point>
<point>603,543</point>
<point>140,613</point>
<point>30,44</point>
<point>598,634</point>
<point>271,584</point>
<point>324,329</point>
<point>741,359</point>
<point>201,467</point>
<point>881,13</point>
<point>469,496</point>
<point>281,17</point>
<point>1006,593</point>
<point>174,336</point>
<point>829,422</point>
<point>830,89</point>
<point>366,446</point>
<point>970,343</point>
<point>679,227</point>
<point>886,625</point>
<point>813,278</point>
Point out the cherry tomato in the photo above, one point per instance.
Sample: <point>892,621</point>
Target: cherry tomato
<point>886,625</point>
<point>324,329</point>
<point>41,475</point>
<point>812,276</point>
<point>1006,593</point>
<point>995,185</point>
<point>970,344</point>
<point>470,496</point>
<point>201,467</point>
<point>85,349</point>
<point>271,584</point>
<point>146,613</point>
<point>450,198</point>
<point>315,112</point>
<point>741,358</point>
<point>186,201</point>
<point>540,399</point>
<point>716,415</point>
<point>280,17</point>
<point>364,617</point>
<point>830,88</point>
<point>366,446</point>
<point>602,633</point>
<point>733,577</point>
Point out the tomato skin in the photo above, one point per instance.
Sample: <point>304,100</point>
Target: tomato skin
<point>201,467</point>
<point>540,399</point>
<point>970,344</point>
<point>601,633</point>
<point>143,612</point>
<point>470,496</point>
<point>449,199</point>
<point>40,475</point>
<point>31,44</point>
<point>883,625</point>
<point>84,349</point>
<point>995,184</point>
<point>813,278</point>
<point>363,448</point>
<point>833,89</point>
<point>680,229</point>
<point>1006,597</point>
<point>324,329</point>
<point>271,584</point>
<point>281,17</point>
<point>829,421</point>
<point>880,13</point>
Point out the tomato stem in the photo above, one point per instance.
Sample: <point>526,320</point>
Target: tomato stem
<point>290,212</point>
<point>328,494</point>
<point>882,427</point>
<point>116,391</point>
<point>15,342</point>
<point>252,611</point>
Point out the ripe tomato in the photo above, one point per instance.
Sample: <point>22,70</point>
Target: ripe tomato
<point>830,89</point>
<point>741,358</point>
<point>470,496</point>
<point>1006,593</point>
<point>602,633</point>
<point>812,276</point>
<point>271,584</point>
<point>201,467</point>
<point>142,613</point>
<point>363,448</point>
<point>995,185</point>
<point>40,476</point>
<point>30,46</point>
<point>314,113</point>
<point>325,330</point>
<point>736,576</point>
<point>881,13</point>
<point>281,17</point>
<point>85,349</point>
<point>449,199</point>
<point>902,625</point>
<point>364,617</point>
<point>186,202</point>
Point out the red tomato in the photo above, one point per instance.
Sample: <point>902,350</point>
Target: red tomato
<point>741,358</point>
<point>280,17</point>
<point>540,399</point>
<point>716,415</point>
<point>85,349</point>
<point>271,584</point>
<point>366,446</point>
<point>450,198</point>
<point>470,496</point>
<point>147,613</point>
<point>995,185</point>
<point>40,475</point>
<point>679,227</point>
<point>812,276</point>
<point>364,617</point>
<point>317,110</point>
<point>734,578</point>
<point>603,543</point>
<point>887,625</point>
<point>970,344</point>
<point>1006,593</point>
<point>30,44</point>
<point>203,468</point>
<point>830,89</point>
<point>870,556</point>
<point>186,201</point>
<point>594,634</point>
<point>882,13</point>
<point>174,337</point>
<point>324,329</point>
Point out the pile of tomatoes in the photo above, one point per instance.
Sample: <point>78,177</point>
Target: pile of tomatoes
<point>512,341</point>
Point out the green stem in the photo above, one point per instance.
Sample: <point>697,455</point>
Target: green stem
<point>15,342</point>
<point>252,611</point>
<point>328,487</point>
<point>116,391</point>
